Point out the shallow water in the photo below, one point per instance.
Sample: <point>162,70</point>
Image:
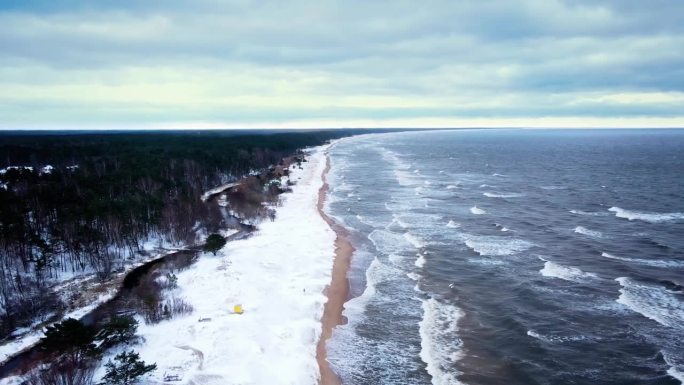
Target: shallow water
<point>512,257</point>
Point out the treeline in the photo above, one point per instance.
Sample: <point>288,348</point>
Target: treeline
<point>103,195</point>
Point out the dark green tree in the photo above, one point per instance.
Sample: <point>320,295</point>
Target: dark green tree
<point>127,369</point>
<point>214,243</point>
<point>118,330</point>
<point>70,340</point>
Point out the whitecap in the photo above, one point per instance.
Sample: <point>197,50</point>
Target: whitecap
<point>502,195</point>
<point>477,211</point>
<point>589,213</point>
<point>440,345</point>
<point>495,245</point>
<point>414,240</point>
<point>451,187</point>
<point>652,302</point>
<point>674,370</point>
<point>420,262</point>
<point>389,242</point>
<point>453,225</point>
<point>555,339</point>
<point>568,273</point>
<point>553,187</point>
<point>485,261</point>
<point>587,232</point>
<point>646,216</point>
<point>648,262</point>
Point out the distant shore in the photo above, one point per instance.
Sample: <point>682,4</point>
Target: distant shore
<point>338,290</point>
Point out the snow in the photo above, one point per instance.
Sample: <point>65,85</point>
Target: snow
<point>217,190</point>
<point>21,344</point>
<point>278,275</point>
<point>3,171</point>
<point>46,170</point>
<point>16,346</point>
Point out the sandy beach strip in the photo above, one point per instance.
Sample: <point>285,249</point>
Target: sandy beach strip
<point>338,290</point>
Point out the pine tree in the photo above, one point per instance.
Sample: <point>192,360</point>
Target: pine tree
<point>127,369</point>
<point>118,330</point>
<point>214,243</point>
<point>72,339</point>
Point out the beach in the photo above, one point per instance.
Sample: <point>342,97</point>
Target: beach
<point>338,290</point>
<point>278,275</point>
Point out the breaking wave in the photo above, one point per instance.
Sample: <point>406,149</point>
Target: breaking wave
<point>477,211</point>
<point>648,262</point>
<point>568,273</point>
<point>654,302</point>
<point>646,216</point>
<point>495,246</point>
<point>440,345</point>
<point>587,232</point>
<point>502,195</point>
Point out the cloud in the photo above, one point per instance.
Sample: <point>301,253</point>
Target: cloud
<point>244,62</point>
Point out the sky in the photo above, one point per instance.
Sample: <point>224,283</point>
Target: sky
<point>323,63</point>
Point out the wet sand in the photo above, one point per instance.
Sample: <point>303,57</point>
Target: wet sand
<point>337,291</point>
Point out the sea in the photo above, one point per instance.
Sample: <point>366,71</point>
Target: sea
<point>504,256</point>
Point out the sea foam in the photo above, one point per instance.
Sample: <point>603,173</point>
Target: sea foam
<point>453,225</point>
<point>420,262</point>
<point>647,262</point>
<point>587,232</point>
<point>440,345</point>
<point>652,302</point>
<point>477,211</point>
<point>646,216</point>
<point>502,195</point>
<point>568,273</point>
<point>494,246</point>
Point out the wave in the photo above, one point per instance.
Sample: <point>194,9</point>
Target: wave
<point>440,345</point>
<point>502,195</point>
<point>495,245</point>
<point>415,241</point>
<point>477,211</point>
<point>646,216</point>
<point>589,213</point>
<point>388,242</point>
<point>452,186</point>
<point>568,273</point>
<point>555,339</point>
<point>647,262</point>
<point>553,187</point>
<point>674,370</point>
<point>652,302</point>
<point>453,225</point>
<point>587,232</point>
<point>420,262</point>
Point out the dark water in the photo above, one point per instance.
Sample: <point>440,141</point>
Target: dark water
<point>513,257</point>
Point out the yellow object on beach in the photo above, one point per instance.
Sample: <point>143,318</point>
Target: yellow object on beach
<point>237,309</point>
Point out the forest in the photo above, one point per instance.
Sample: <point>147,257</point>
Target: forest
<point>85,203</point>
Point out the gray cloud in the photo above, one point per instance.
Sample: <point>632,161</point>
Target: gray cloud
<point>76,61</point>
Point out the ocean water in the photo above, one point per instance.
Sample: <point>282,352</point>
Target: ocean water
<point>512,257</point>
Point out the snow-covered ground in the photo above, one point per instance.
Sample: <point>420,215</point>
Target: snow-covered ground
<point>278,275</point>
<point>13,347</point>
<point>83,282</point>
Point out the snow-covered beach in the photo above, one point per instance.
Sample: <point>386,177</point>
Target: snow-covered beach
<point>279,276</point>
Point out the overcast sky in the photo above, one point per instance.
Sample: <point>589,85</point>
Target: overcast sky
<point>429,63</point>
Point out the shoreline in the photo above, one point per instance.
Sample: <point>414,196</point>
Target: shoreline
<point>338,289</point>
